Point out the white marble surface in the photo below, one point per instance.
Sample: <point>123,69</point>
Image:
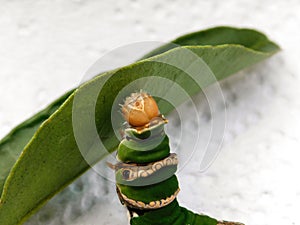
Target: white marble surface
<point>46,46</point>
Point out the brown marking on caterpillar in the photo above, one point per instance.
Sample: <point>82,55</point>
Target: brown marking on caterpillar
<point>228,223</point>
<point>144,206</point>
<point>160,119</point>
<point>134,171</point>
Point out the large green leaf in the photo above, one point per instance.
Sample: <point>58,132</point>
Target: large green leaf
<point>35,167</point>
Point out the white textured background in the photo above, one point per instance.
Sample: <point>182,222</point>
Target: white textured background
<point>46,46</point>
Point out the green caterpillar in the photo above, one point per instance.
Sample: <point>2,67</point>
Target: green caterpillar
<point>145,175</point>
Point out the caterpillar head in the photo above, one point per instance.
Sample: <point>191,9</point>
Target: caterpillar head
<point>139,109</point>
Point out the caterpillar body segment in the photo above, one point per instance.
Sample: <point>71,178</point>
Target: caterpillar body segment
<point>150,193</point>
<point>144,145</point>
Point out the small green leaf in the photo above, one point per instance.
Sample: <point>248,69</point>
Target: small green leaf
<point>36,168</point>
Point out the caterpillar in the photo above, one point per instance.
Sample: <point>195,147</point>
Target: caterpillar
<point>145,173</point>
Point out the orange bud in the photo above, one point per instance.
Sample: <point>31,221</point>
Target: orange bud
<point>139,109</point>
